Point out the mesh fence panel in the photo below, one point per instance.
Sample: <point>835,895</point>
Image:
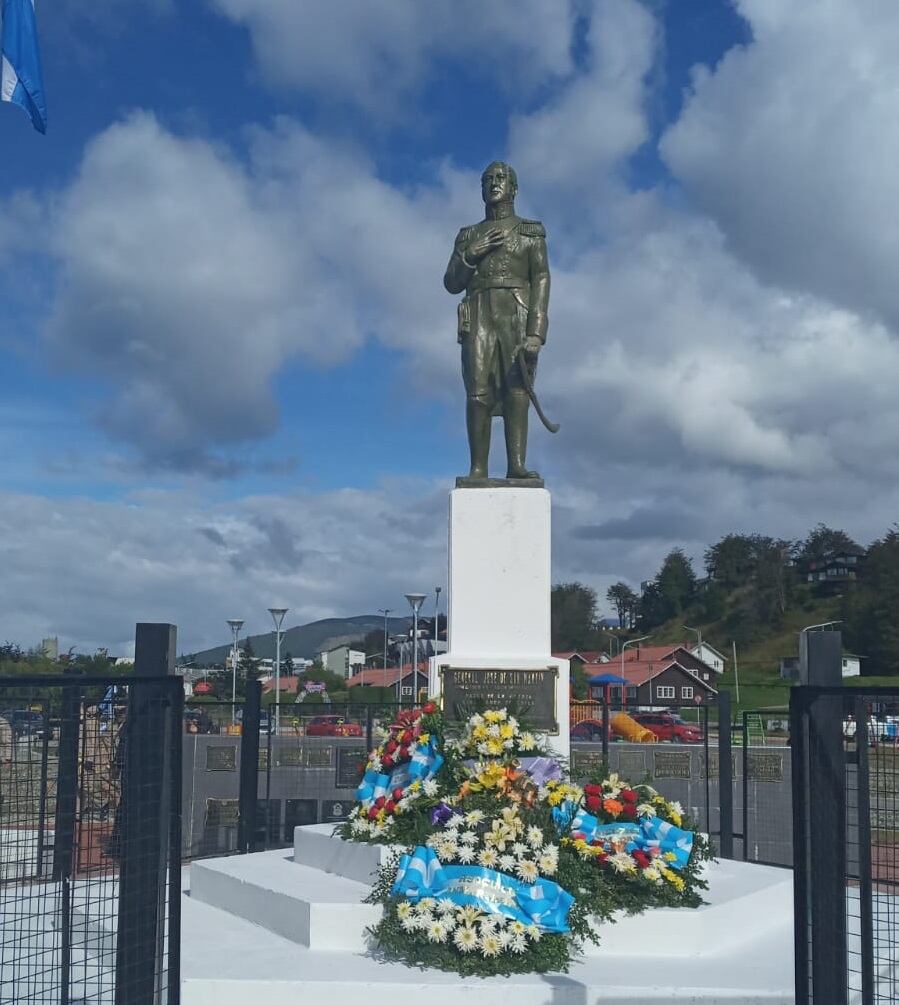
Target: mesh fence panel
<point>68,924</point>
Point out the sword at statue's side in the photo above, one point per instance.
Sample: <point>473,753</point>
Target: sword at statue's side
<point>518,352</point>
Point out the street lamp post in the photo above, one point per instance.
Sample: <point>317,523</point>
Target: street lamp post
<point>437,590</point>
<point>235,624</point>
<point>277,614</point>
<point>385,611</point>
<point>415,602</point>
<point>631,642</point>
<point>697,632</point>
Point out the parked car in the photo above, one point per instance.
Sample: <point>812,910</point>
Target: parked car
<point>669,726</point>
<point>24,722</point>
<point>588,730</point>
<point>332,725</point>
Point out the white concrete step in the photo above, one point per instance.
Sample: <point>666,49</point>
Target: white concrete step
<point>305,905</point>
<point>315,845</point>
<point>228,961</point>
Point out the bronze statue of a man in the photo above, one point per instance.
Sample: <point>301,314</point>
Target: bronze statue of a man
<point>501,266</point>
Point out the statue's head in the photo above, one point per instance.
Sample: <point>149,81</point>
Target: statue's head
<point>499,183</point>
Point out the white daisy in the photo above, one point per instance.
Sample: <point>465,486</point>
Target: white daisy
<point>507,863</point>
<point>490,945</point>
<point>446,850</point>
<point>403,909</point>
<point>517,944</point>
<point>676,806</point>
<point>465,854</point>
<point>468,837</point>
<point>528,741</point>
<point>430,787</point>
<point>493,730</point>
<point>468,915</point>
<point>437,932</point>
<point>519,849</point>
<point>622,862</point>
<point>409,923</point>
<point>358,825</point>
<point>488,858</point>
<point>646,810</point>
<point>474,817</point>
<point>508,744</point>
<point>426,904</point>
<point>535,837</point>
<point>466,939</point>
<point>455,822</point>
<point>445,906</point>
<point>527,871</point>
<point>534,933</point>
<point>375,763</point>
<point>490,923</point>
<point>547,864</point>
<point>652,873</point>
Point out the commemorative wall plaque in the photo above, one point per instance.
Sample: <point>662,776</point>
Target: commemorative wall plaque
<point>351,763</point>
<point>220,758</point>
<point>765,767</point>
<point>532,693</point>
<point>671,764</point>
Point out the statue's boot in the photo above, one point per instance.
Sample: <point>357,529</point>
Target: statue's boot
<point>516,422</point>
<point>478,416</point>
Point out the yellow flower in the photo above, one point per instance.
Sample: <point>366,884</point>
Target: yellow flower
<point>424,738</point>
<point>494,716</point>
<point>669,856</point>
<point>506,732</point>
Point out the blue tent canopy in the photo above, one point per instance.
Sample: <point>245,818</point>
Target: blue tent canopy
<point>605,678</point>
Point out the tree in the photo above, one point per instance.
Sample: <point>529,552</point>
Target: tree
<point>676,582</point>
<point>824,541</point>
<point>772,579</point>
<point>870,610</point>
<point>731,561</point>
<point>625,602</point>
<point>573,615</point>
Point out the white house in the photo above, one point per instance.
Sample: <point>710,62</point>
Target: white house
<point>852,665</point>
<point>342,660</point>
<point>710,656</point>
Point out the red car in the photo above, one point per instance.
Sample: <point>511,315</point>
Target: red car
<point>332,725</point>
<point>588,729</point>
<point>668,726</point>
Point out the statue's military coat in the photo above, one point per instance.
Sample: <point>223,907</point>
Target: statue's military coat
<point>506,300</point>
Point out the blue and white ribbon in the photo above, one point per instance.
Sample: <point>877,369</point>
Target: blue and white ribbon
<point>543,903</point>
<point>425,763</point>
<point>647,834</point>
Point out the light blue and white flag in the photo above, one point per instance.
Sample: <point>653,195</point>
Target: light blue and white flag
<point>21,80</point>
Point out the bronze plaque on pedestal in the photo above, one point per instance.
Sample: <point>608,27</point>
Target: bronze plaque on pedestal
<point>532,693</point>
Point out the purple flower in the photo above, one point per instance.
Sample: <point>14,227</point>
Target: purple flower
<point>541,769</point>
<point>440,814</point>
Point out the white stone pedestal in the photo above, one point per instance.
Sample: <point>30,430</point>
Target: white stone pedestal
<point>499,590</point>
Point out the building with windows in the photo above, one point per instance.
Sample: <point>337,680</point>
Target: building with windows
<point>659,675</point>
<point>407,686</point>
<point>342,661</point>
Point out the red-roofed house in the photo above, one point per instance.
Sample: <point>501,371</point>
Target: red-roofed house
<point>660,675</point>
<point>410,686</point>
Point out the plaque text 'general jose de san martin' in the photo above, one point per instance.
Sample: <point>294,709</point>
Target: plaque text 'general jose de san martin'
<point>532,692</point>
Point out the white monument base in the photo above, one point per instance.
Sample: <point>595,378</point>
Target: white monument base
<point>499,591</point>
<point>268,928</point>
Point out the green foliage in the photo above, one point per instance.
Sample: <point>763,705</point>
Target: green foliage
<point>625,602</point>
<point>824,541</point>
<point>870,610</point>
<point>573,616</point>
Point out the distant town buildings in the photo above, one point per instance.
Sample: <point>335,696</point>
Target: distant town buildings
<point>342,660</point>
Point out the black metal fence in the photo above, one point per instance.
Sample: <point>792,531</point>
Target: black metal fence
<point>90,781</point>
<point>846,845</point>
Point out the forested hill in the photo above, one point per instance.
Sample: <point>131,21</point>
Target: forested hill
<point>756,593</point>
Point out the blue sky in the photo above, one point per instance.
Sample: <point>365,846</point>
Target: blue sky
<point>221,289</point>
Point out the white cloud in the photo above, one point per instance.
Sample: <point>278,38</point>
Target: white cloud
<point>791,145</point>
<point>376,55</point>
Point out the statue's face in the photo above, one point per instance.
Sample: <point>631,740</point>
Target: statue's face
<point>496,185</point>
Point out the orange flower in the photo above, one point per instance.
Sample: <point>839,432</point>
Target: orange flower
<point>612,806</point>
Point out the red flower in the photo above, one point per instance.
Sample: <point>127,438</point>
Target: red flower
<point>387,762</point>
<point>372,813</point>
<point>628,795</point>
<point>379,802</point>
<point>430,708</point>
<point>593,790</point>
<point>594,803</point>
<point>641,858</point>
<point>629,812</point>
<point>391,746</point>
<point>390,806</point>
<point>397,794</point>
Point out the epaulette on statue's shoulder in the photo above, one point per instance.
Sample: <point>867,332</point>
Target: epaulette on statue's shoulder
<point>466,234</point>
<point>532,228</point>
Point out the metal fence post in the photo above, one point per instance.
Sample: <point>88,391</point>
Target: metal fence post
<point>865,875</point>
<point>744,778</point>
<point>66,784</point>
<point>725,778</point>
<point>249,769</point>
<point>801,914</point>
<point>605,731</point>
<point>146,787</point>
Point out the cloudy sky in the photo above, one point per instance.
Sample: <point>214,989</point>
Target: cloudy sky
<point>230,370</point>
